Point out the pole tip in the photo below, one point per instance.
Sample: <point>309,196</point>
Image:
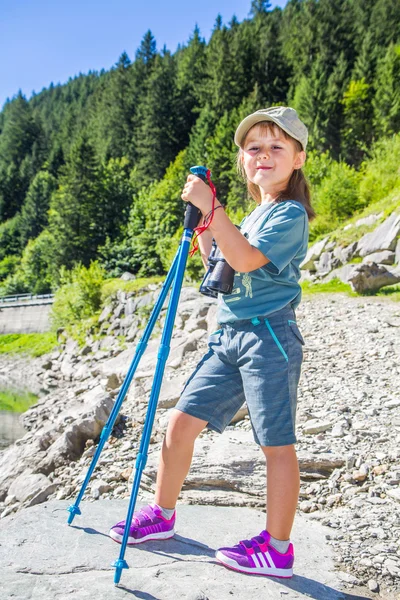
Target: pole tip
<point>73,510</point>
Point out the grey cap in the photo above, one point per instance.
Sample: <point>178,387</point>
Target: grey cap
<point>284,116</point>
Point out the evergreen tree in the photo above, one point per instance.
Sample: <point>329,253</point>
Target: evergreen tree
<point>307,101</point>
<point>157,134</point>
<point>364,66</point>
<point>357,112</point>
<point>116,111</point>
<point>75,218</point>
<point>191,81</point>
<point>10,238</point>
<point>386,103</point>
<point>259,7</point>
<point>21,155</point>
<point>117,197</point>
<point>202,130</point>
<point>223,91</point>
<point>269,69</point>
<point>146,53</point>
<point>385,25</point>
<point>19,132</point>
<point>56,159</point>
<point>34,217</point>
<point>298,38</point>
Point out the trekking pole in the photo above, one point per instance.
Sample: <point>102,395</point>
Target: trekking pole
<point>108,427</point>
<point>192,217</point>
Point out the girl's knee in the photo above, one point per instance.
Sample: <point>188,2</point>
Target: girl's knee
<point>183,428</point>
<point>278,451</point>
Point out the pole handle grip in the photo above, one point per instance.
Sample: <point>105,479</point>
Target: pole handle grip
<point>193,214</point>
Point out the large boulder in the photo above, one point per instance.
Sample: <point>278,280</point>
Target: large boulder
<point>32,488</point>
<point>88,421</point>
<point>383,237</point>
<point>397,253</point>
<point>313,254</point>
<point>346,253</point>
<point>15,460</point>
<point>371,277</point>
<point>384,257</point>
<point>342,273</point>
<point>324,264</point>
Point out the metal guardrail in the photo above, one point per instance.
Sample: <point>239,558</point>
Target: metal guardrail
<point>26,299</point>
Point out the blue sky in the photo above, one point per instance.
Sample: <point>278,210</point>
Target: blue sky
<point>44,41</point>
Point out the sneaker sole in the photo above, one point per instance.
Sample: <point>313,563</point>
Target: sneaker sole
<point>162,535</point>
<point>265,571</point>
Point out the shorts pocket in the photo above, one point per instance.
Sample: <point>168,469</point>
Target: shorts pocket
<point>296,331</point>
<point>214,337</point>
<point>275,338</point>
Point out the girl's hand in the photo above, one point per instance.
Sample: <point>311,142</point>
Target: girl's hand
<point>198,193</point>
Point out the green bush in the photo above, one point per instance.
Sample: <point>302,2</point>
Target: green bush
<point>317,167</point>
<point>381,173</point>
<point>38,270</point>
<point>10,237</point>
<point>8,266</point>
<point>79,296</point>
<point>35,272</point>
<point>13,284</point>
<point>336,198</point>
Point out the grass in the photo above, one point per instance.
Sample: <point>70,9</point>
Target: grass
<point>390,291</point>
<point>331,287</point>
<point>16,401</point>
<point>31,344</point>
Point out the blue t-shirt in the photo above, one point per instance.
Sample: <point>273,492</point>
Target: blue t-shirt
<point>280,232</point>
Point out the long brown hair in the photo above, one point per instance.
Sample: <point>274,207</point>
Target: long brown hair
<point>297,187</point>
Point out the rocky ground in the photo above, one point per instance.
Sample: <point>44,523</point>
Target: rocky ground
<point>348,426</point>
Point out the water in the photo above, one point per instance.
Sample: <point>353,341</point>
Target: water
<point>12,404</point>
<point>10,428</point>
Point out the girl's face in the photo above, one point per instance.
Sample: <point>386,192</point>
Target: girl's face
<point>269,159</point>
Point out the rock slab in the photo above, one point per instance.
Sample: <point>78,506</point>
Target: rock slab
<point>41,557</point>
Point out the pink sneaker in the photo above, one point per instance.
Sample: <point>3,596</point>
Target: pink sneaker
<point>257,556</point>
<point>147,524</point>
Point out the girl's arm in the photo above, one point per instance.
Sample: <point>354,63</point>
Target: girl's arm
<point>205,244</point>
<point>237,251</point>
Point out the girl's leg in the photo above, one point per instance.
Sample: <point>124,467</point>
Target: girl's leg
<point>283,486</point>
<point>176,456</point>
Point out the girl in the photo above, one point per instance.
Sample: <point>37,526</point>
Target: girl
<point>256,354</point>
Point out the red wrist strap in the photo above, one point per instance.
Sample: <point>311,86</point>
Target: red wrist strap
<point>207,219</point>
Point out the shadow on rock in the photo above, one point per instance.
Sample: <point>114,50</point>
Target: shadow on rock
<point>318,591</point>
<point>89,530</point>
<point>138,593</point>
<point>178,545</point>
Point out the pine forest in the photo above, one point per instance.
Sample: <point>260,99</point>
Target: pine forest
<point>91,171</point>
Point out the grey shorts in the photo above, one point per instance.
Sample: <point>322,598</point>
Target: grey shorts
<point>255,361</point>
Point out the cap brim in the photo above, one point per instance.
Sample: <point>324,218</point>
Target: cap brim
<point>251,120</point>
